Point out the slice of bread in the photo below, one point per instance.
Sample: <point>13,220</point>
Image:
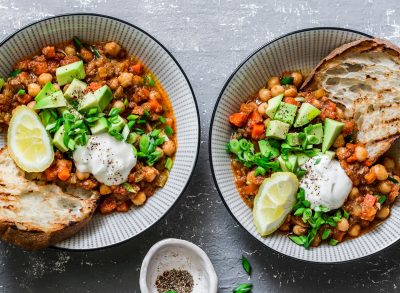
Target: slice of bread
<point>363,77</point>
<point>36,216</point>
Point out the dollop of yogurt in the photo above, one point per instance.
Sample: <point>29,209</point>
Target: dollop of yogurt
<point>109,160</point>
<point>325,183</point>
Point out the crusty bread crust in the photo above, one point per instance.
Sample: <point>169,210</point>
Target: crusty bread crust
<point>18,228</point>
<point>386,130</point>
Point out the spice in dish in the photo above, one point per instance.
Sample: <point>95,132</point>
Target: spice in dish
<point>180,281</point>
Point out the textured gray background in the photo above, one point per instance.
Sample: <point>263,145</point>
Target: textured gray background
<point>209,39</point>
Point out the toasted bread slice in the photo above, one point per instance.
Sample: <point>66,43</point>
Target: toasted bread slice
<point>36,216</point>
<point>363,77</point>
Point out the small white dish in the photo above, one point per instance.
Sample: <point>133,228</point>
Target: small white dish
<point>178,254</point>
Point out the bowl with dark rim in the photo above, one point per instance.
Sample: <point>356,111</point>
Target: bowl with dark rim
<point>104,231</point>
<point>297,51</point>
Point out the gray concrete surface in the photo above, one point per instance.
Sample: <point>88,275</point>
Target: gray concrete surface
<point>209,39</point>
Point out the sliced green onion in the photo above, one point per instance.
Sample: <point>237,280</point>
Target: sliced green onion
<point>77,43</point>
<point>21,92</point>
<point>134,150</point>
<point>393,179</point>
<point>126,102</point>
<point>144,143</point>
<point>163,120</point>
<point>326,234</point>
<point>260,171</point>
<point>234,146</point>
<point>155,133</point>
<point>15,72</point>
<point>132,117</point>
<point>243,288</point>
<point>244,144</point>
<point>129,187</point>
<point>168,164</point>
<point>168,130</point>
<point>131,124</point>
<point>333,242</point>
<point>159,141</point>
<point>114,112</point>
<point>299,211</point>
<point>149,80</point>
<point>287,80</point>
<point>246,265</point>
<point>382,199</point>
<point>93,111</point>
<point>299,240</point>
<point>95,51</point>
<point>132,138</point>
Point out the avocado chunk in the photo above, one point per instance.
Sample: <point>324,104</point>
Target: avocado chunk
<point>273,105</point>
<point>58,140</point>
<point>100,126</point>
<point>302,158</point>
<point>330,154</point>
<point>332,129</point>
<point>286,113</point>
<point>117,124</point>
<point>267,150</point>
<point>47,90</point>
<point>87,102</point>
<point>294,138</point>
<point>103,96</point>
<point>65,74</point>
<point>314,133</point>
<point>307,113</point>
<point>277,129</point>
<point>292,162</point>
<point>55,100</point>
<point>76,89</point>
<point>282,164</point>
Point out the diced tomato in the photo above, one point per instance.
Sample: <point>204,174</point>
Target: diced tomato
<point>155,106</point>
<point>352,159</point>
<point>291,100</point>
<point>369,200</point>
<point>238,119</point>
<point>251,189</point>
<point>258,131</point>
<point>136,69</point>
<point>254,118</point>
<point>95,85</point>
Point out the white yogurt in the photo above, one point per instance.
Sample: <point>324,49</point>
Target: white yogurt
<point>109,160</point>
<point>325,183</point>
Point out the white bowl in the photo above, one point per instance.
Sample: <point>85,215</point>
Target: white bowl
<point>108,230</point>
<point>300,50</point>
<point>178,254</point>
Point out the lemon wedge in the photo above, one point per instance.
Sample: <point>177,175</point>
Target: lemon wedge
<point>28,142</point>
<point>274,201</point>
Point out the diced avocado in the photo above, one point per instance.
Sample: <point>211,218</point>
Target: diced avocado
<point>65,74</point>
<point>277,129</point>
<point>87,102</point>
<point>76,89</point>
<point>292,162</point>
<point>2,82</point>
<point>302,158</point>
<point>118,124</point>
<point>267,150</point>
<point>307,113</point>
<point>316,130</point>
<point>70,110</point>
<point>100,126</point>
<point>46,91</point>
<point>332,129</point>
<point>55,100</point>
<point>48,116</point>
<point>286,113</point>
<point>282,164</point>
<point>330,154</point>
<point>273,105</point>
<point>58,139</point>
<point>103,96</point>
<point>294,138</point>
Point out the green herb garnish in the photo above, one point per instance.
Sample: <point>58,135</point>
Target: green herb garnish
<point>15,72</point>
<point>287,80</point>
<point>168,164</point>
<point>21,92</point>
<point>382,199</point>
<point>168,130</point>
<point>246,265</point>
<point>77,43</point>
<point>243,288</point>
<point>393,180</point>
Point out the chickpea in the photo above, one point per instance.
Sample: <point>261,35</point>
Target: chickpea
<point>297,78</point>
<point>169,148</point>
<point>155,95</point>
<point>70,50</point>
<point>45,78</point>
<point>125,79</point>
<point>251,178</point>
<point>82,175</point>
<point>104,189</point>
<point>355,230</point>
<point>361,153</point>
<point>137,80</point>
<point>298,230</point>
<point>86,55</point>
<point>339,142</point>
<point>354,193</point>
<point>33,89</point>
<point>273,81</point>
<point>264,94</point>
<point>383,213</point>
<point>319,93</point>
<point>56,86</point>
<point>150,173</point>
<point>120,105</point>
<point>158,149</point>
<point>290,92</point>
<point>385,187</point>
<point>262,108</point>
<point>32,105</point>
<point>380,172</point>
<point>389,164</point>
<point>277,90</point>
<point>112,48</point>
<point>139,199</point>
<point>357,210</point>
<point>343,225</point>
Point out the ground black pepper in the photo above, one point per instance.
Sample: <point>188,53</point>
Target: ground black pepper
<point>180,281</point>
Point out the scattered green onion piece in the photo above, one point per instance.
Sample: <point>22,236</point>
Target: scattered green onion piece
<point>243,288</point>
<point>149,80</point>
<point>21,92</point>
<point>382,199</point>
<point>346,214</point>
<point>131,124</point>
<point>168,164</point>
<point>126,102</point>
<point>168,130</point>
<point>15,72</point>
<point>129,187</point>
<point>132,138</point>
<point>134,150</point>
<point>155,133</point>
<point>287,80</point>
<point>333,242</point>
<point>125,132</point>
<point>299,211</point>
<point>77,43</point>
<point>393,179</point>
<point>114,111</point>
<point>246,265</point>
<point>162,118</point>
<point>299,240</point>
<point>159,141</point>
<point>132,117</point>
<point>95,51</point>
<point>234,146</point>
<point>260,171</point>
<point>93,111</point>
<point>144,143</point>
<point>325,234</point>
